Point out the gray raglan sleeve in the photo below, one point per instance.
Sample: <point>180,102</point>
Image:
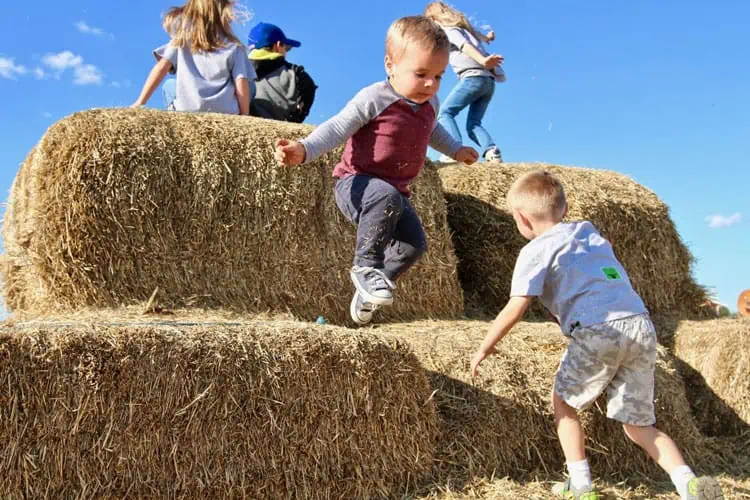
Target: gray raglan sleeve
<point>441,140</point>
<point>336,130</point>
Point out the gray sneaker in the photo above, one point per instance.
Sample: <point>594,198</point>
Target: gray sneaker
<point>493,155</point>
<point>373,285</point>
<point>361,311</point>
<point>704,488</point>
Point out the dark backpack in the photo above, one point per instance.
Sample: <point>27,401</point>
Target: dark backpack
<point>285,91</point>
<point>304,95</point>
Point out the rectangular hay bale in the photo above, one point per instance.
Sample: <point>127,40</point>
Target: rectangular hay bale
<point>112,204</point>
<point>630,216</point>
<point>261,409</point>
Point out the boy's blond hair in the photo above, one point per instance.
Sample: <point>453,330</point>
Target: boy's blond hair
<point>202,25</point>
<point>415,29</point>
<point>538,194</point>
<point>445,15</point>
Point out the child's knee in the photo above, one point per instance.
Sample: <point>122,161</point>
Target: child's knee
<point>636,433</point>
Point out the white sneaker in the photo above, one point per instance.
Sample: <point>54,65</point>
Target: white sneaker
<point>446,159</point>
<point>361,311</point>
<point>493,155</point>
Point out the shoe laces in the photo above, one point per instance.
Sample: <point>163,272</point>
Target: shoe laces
<point>376,278</point>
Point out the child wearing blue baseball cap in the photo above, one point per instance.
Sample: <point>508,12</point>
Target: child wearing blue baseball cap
<point>284,91</point>
<point>212,73</point>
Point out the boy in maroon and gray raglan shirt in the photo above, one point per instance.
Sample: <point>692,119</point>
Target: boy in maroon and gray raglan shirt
<point>387,128</point>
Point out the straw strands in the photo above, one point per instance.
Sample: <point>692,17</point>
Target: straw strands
<point>112,204</point>
<point>262,409</point>
<point>715,362</point>
<point>630,216</point>
<point>501,424</point>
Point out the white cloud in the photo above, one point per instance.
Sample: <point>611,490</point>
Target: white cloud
<point>719,221</point>
<point>88,74</point>
<point>47,114</point>
<point>83,74</point>
<point>39,73</point>
<point>62,61</point>
<point>9,69</point>
<point>123,84</point>
<point>83,27</point>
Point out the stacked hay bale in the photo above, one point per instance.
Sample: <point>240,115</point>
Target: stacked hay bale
<point>501,424</point>
<point>633,218</point>
<point>112,204</point>
<point>245,410</point>
<point>714,360</point>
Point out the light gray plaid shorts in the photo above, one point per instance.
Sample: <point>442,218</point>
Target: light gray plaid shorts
<point>617,356</point>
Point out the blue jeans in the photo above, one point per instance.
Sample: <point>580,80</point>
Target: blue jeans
<point>476,93</point>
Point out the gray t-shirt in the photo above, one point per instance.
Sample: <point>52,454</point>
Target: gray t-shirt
<point>206,81</point>
<point>574,272</point>
<point>463,65</point>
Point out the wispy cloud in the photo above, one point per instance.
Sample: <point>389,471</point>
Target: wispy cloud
<point>83,74</point>
<point>9,69</point>
<point>83,27</point>
<point>39,73</point>
<point>87,74</point>
<point>62,61</point>
<point>47,114</point>
<point>719,221</point>
<point>123,84</point>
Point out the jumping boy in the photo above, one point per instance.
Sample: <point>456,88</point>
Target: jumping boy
<point>387,128</point>
<point>612,342</point>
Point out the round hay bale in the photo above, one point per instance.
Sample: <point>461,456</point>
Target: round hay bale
<point>630,216</point>
<point>501,424</point>
<point>262,409</point>
<point>115,203</point>
<point>714,359</point>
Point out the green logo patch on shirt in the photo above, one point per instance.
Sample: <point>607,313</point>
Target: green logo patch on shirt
<point>611,273</point>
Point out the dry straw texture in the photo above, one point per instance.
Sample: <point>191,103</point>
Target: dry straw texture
<point>502,425</point>
<point>715,362</point>
<point>639,488</point>
<point>112,204</point>
<point>634,220</point>
<point>265,409</point>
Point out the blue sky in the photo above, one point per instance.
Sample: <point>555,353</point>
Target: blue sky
<point>658,90</point>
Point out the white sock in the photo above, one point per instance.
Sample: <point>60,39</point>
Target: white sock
<point>580,474</point>
<point>680,477</point>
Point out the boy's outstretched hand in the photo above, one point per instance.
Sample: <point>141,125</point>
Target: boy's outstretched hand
<point>467,155</point>
<point>289,152</point>
<point>477,359</point>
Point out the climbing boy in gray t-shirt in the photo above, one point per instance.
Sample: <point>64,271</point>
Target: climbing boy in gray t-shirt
<point>612,342</point>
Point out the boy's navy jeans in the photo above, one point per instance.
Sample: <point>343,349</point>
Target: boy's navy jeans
<point>389,233</point>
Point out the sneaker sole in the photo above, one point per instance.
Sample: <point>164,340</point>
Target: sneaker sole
<point>708,489</point>
<point>353,313</point>
<point>368,297</point>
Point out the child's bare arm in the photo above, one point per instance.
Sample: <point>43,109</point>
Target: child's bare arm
<point>489,62</point>
<point>505,320</point>
<point>242,89</point>
<point>155,77</point>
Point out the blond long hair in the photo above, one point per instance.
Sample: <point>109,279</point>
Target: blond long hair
<point>445,15</point>
<point>201,25</point>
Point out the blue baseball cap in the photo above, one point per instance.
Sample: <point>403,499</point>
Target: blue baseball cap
<point>265,35</point>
